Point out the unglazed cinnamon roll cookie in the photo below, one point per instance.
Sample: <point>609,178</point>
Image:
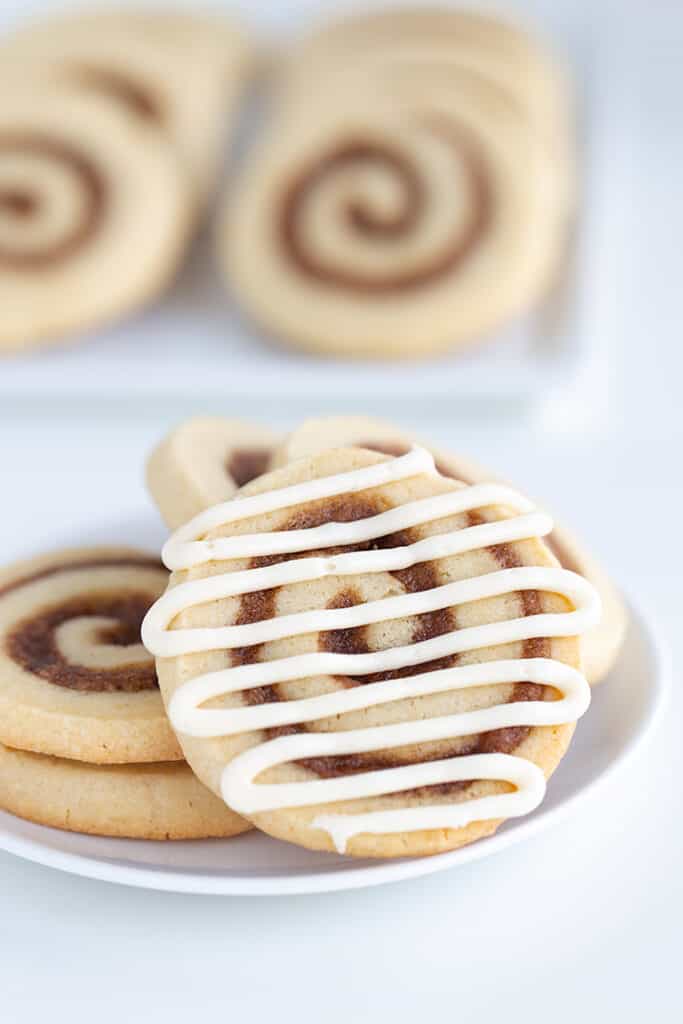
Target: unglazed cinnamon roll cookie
<point>94,215</point>
<point>489,47</point>
<point>75,680</point>
<point>205,461</point>
<point>362,655</point>
<point>135,801</point>
<point>601,644</point>
<point>392,226</point>
<point>177,73</point>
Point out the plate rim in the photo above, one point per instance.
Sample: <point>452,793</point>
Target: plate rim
<point>383,871</point>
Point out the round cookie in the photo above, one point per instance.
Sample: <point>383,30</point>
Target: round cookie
<point>204,461</point>
<point>177,73</point>
<point>485,45</point>
<point>94,215</point>
<point>601,644</point>
<point>75,680</point>
<point>150,801</point>
<point>405,764</point>
<point>374,225</point>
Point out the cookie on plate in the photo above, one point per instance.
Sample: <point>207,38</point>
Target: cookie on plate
<point>133,801</point>
<point>360,654</point>
<point>179,74</point>
<point>95,214</point>
<point>392,226</point>
<point>204,461</point>
<point>487,46</point>
<point>75,680</point>
<point>601,644</point>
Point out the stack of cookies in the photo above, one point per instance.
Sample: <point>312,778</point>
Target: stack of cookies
<point>112,129</point>
<point>413,191</point>
<point>85,744</point>
<point>374,649</point>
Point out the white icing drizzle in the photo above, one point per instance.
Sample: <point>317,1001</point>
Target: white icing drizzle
<point>187,549</point>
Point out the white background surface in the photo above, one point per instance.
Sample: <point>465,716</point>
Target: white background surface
<point>581,923</point>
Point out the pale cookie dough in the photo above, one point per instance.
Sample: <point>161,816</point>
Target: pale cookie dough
<point>135,801</point>
<point>537,749</point>
<point>204,461</point>
<point>95,213</point>
<point>178,73</point>
<point>487,46</point>
<point>601,644</point>
<point>75,680</point>
<point>395,224</point>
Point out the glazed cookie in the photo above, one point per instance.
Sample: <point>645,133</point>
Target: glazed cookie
<point>601,644</point>
<point>136,801</point>
<point>75,680</point>
<point>391,658</point>
<point>205,461</point>
<point>94,215</point>
<point>181,74</point>
<point>393,225</point>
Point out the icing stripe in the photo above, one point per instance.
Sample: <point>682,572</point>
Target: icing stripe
<point>181,554</point>
<point>188,548</point>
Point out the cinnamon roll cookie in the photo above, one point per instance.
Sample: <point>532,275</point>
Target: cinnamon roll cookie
<point>362,655</point>
<point>490,48</point>
<point>94,215</point>
<point>378,224</point>
<point>178,74</point>
<point>204,461</point>
<point>133,801</point>
<point>75,680</point>
<point>600,645</point>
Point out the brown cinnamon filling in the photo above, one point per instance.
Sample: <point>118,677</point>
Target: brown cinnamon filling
<point>18,202</point>
<point>424,576</point>
<point>121,87</point>
<point>560,550</point>
<point>32,642</point>
<point>369,223</point>
<point>26,203</point>
<point>245,464</point>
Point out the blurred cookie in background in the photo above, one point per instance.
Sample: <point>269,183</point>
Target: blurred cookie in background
<point>411,195</point>
<point>95,214</point>
<point>181,73</point>
<point>112,135</point>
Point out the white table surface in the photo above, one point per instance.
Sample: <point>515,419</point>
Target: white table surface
<point>583,922</point>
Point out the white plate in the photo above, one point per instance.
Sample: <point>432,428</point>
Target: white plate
<point>255,864</point>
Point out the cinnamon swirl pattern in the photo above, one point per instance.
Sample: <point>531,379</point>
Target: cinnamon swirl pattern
<point>179,75</point>
<point>82,189</point>
<point>75,680</point>
<point>204,461</point>
<point>400,207</point>
<point>403,670</point>
<point>600,645</point>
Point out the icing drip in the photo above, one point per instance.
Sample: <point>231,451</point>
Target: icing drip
<point>187,549</point>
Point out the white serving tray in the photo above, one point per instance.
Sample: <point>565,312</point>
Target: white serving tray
<point>194,345</point>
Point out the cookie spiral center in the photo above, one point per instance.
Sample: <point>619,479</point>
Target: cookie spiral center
<point>52,200</point>
<point>89,643</point>
<point>362,216</point>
